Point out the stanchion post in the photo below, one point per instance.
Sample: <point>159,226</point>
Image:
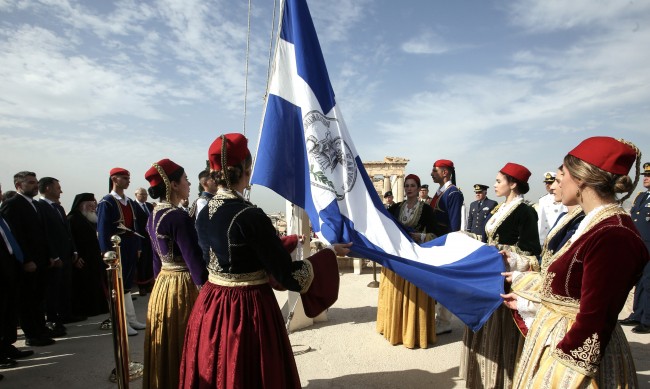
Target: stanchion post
<point>374,283</point>
<point>118,318</point>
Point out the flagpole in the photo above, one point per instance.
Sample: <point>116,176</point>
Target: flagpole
<point>266,93</point>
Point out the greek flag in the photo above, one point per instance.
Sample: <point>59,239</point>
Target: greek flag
<point>306,155</point>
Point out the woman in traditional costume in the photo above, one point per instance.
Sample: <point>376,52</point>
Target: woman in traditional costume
<point>524,300</point>
<point>405,314</point>
<point>236,336</point>
<point>489,355</point>
<point>575,340</point>
<point>179,271</point>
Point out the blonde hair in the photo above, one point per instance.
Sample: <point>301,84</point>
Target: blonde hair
<point>606,184</point>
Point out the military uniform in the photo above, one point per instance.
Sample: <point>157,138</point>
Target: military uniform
<point>548,210</point>
<point>479,211</point>
<point>641,217</point>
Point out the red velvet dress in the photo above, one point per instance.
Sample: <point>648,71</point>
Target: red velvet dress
<point>575,340</point>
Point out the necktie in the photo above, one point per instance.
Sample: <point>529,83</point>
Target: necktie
<point>144,206</point>
<point>12,245</point>
<point>59,210</point>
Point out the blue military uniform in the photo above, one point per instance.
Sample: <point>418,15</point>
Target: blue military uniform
<point>479,211</point>
<point>447,206</point>
<point>640,213</point>
<point>110,221</point>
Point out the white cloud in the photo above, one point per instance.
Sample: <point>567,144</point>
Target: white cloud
<point>550,15</point>
<point>41,81</point>
<point>335,19</point>
<point>427,42</point>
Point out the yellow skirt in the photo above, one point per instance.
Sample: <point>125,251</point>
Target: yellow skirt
<point>538,369</point>
<point>405,314</point>
<point>170,305</point>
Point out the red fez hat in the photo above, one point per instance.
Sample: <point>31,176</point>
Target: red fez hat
<point>118,171</point>
<point>168,166</point>
<point>608,154</point>
<point>443,163</point>
<point>236,150</point>
<point>413,177</point>
<point>516,171</point>
<point>324,289</point>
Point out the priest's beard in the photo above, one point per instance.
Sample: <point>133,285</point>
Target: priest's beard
<point>90,215</point>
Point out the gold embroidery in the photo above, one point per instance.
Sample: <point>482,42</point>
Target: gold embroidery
<point>213,205</point>
<point>240,277</point>
<point>170,257</point>
<point>213,264</point>
<point>589,351</point>
<point>304,275</point>
<point>548,295</point>
<point>547,255</point>
<point>584,359</point>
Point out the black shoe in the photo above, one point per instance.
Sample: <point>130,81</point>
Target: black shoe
<point>7,363</point>
<point>14,353</point>
<point>55,330</point>
<point>133,297</point>
<point>106,325</point>
<point>38,342</point>
<point>143,291</point>
<point>641,329</point>
<point>629,322</point>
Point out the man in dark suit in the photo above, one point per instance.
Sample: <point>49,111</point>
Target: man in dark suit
<point>59,291</point>
<point>640,318</point>
<point>479,210</point>
<point>144,272</point>
<point>11,257</point>
<point>25,218</point>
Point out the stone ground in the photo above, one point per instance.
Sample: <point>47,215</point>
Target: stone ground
<point>343,352</point>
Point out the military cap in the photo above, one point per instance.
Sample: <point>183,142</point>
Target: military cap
<point>389,193</point>
<point>426,186</point>
<point>646,169</point>
<point>549,177</point>
<point>479,188</point>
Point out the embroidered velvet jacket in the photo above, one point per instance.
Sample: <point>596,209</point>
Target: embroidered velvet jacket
<point>518,229</point>
<point>590,280</point>
<point>240,244</point>
<point>174,242</point>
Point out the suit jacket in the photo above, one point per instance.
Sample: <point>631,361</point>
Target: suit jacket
<point>59,233</point>
<point>641,216</point>
<point>29,229</point>
<point>141,216</point>
<point>478,215</point>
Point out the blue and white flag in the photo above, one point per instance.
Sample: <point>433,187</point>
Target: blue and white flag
<point>306,155</point>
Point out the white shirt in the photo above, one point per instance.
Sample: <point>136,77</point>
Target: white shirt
<point>547,213</point>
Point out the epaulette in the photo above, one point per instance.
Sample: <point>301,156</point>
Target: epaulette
<point>637,196</point>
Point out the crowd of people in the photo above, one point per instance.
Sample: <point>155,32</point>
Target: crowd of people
<point>210,267</point>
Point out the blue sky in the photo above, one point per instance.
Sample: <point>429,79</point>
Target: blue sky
<point>89,85</point>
